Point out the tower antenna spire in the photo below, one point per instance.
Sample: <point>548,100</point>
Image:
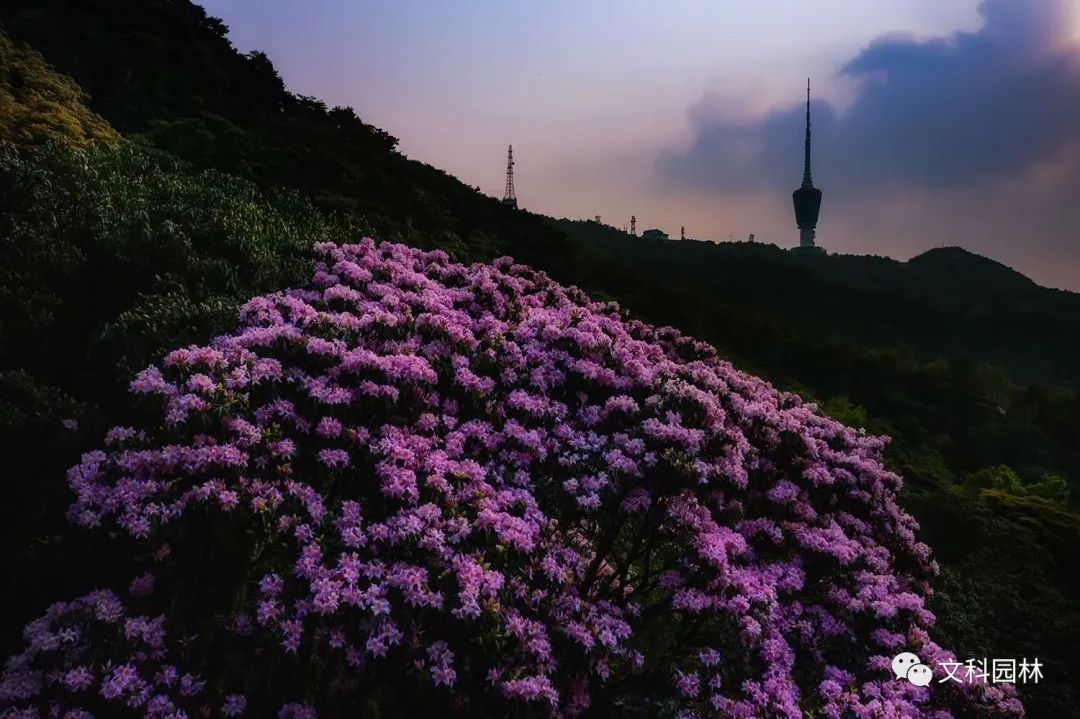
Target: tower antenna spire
<point>807,180</point>
<point>509,197</point>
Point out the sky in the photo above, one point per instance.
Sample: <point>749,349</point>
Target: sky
<point>935,122</point>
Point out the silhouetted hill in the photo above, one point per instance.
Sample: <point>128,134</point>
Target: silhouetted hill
<point>966,270</point>
<point>952,278</point>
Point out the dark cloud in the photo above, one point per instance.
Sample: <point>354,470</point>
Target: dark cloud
<point>956,112</point>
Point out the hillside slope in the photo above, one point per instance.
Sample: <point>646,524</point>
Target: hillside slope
<point>166,71</point>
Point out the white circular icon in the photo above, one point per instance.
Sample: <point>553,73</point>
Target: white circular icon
<point>920,675</point>
<point>902,662</point>
<point>906,665</point>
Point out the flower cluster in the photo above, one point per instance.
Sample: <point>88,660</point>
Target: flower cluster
<point>62,662</point>
<point>485,483</point>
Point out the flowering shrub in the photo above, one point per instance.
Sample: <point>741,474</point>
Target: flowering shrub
<point>423,484</point>
<point>62,653</point>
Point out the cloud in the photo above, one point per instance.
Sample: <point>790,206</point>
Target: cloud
<point>955,112</point>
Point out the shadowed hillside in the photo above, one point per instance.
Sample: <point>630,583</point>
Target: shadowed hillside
<point>946,302</point>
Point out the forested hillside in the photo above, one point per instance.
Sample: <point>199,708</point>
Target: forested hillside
<point>946,302</point>
<point>117,251</point>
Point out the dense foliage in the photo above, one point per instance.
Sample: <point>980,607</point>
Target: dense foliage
<point>111,255</point>
<point>36,104</point>
<point>111,248</point>
<point>419,480</point>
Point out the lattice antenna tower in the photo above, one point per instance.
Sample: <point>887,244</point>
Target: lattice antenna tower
<point>510,197</point>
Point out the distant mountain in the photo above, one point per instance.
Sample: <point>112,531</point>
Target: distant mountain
<point>950,277</point>
<point>970,271</point>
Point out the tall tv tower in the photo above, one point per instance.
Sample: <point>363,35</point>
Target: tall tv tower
<point>509,198</point>
<point>633,225</point>
<point>807,198</point>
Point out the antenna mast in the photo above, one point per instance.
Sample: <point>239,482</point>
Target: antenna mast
<point>807,181</point>
<point>509,197</point>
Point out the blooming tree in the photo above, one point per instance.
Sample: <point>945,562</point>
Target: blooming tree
<point>420,484</point>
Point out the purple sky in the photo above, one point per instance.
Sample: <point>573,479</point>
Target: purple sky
<point>936,123</point>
